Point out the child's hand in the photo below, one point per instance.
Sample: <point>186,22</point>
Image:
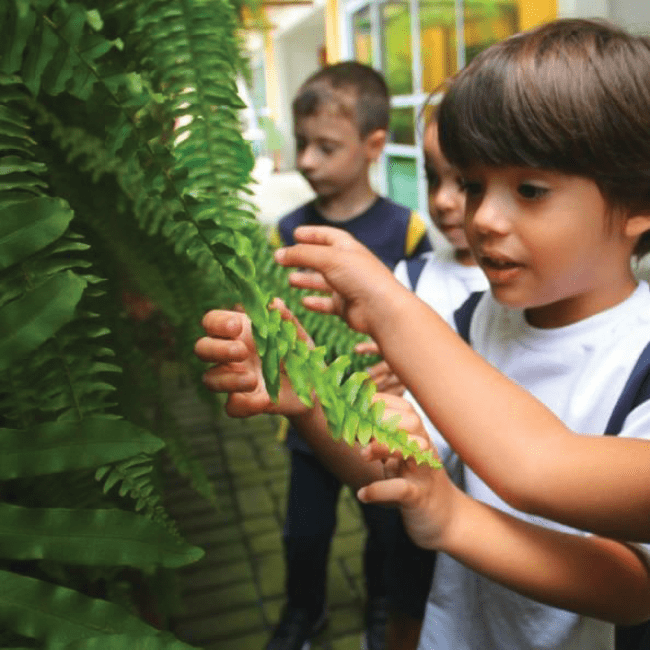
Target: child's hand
<point>238,368</point>
<point>381,373</point>
<point>426,496</point>
<point>357,280</point>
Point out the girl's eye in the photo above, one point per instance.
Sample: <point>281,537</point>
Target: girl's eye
<point>471,188</point>
<point>432,178</point>
<point>530,191</point>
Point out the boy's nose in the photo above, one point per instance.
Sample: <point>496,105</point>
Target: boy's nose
<point>488,217</point>
<point>305,160</point>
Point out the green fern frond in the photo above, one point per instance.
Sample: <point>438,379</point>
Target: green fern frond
<point>54,385</point>
<point>52,45</point>
<point>104,537</point>
<point>54,614</point>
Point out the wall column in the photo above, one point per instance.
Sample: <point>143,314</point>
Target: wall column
<point>271,76</point>
<point>332,31</point>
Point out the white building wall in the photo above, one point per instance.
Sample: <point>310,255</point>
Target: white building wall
<point>583,8</point>
<point>634,15</point>
<point>297,56</point>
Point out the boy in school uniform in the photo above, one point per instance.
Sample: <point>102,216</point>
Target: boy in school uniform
<point>340,123</point>
<point>558,202</point>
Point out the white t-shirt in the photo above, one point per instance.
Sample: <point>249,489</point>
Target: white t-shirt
<point>579,372</point>
<point>444,285</point>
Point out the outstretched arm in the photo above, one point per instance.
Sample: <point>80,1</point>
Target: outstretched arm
<point>599,484</point>
<point>590,575</point>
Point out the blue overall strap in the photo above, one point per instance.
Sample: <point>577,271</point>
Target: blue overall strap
<point>635,392</point>
<point>463,315</point>
<point>414,268</point>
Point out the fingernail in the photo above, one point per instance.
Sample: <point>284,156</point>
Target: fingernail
<point>361,494</point>
<point>279,255</point>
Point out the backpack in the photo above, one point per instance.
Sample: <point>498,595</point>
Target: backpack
<point>635,392</point>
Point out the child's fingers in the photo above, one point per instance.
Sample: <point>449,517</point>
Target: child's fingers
<point>219,350</point>
<point>320,304</point>
<point>223,323</point>
<point>309,280</point>
<point>366,347</point>
<point>230,378</point>
<point>393,491</point>
<point>243,405</point>
<point>320,258</point>
<point>322,236</point>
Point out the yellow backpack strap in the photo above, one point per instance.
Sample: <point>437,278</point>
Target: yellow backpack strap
<point>275,239</point>
<point>415,231</point>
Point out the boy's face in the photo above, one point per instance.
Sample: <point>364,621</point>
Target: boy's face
<point>330,152</point>
<point>446,195</point>
<point>546,243</point>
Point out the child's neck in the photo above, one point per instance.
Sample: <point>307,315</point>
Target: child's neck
<point>346,205</point>
<point>574,309</point>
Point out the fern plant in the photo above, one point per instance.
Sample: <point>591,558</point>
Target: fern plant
<point>90,95</point>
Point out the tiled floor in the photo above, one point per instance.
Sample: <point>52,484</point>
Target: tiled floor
<point>233,596</point>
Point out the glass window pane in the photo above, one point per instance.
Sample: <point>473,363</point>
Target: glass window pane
<point>437,42</point>
<point>403,180</point>
<point>488,23</point>
<point>396,53</point>
<point>402,126</point>
<point>361,35</point>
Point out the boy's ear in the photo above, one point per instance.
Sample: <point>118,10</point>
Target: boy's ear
<point>375,143</point>
<point>637,224</point>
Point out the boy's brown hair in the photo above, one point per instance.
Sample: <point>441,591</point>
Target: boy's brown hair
<point>357,90</point>
<point>571,96</point>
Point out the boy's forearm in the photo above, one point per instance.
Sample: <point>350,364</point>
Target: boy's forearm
<point>592,576</point>
<point>511,440</point>
<point>344,461</point>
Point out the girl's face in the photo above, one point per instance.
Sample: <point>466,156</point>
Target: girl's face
<point>546,243</point>
<point>446,196</point>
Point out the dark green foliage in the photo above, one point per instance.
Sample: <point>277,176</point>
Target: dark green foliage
<point>102,194</point>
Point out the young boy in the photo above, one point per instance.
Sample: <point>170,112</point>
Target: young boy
<point>549,130</point>
<point>340,123</point>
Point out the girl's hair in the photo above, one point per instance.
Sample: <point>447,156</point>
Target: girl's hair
<point>571,96</point>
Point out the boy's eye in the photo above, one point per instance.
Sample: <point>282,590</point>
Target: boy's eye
<point>530,191</point>
<point>301,143</point>
<point>327,149</point>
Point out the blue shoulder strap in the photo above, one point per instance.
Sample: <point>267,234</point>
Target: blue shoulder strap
<point>635,392</point>
<point>414,267</point>
<point>463,315</point>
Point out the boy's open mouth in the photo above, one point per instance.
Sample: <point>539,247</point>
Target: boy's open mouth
<point>498,263</point>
